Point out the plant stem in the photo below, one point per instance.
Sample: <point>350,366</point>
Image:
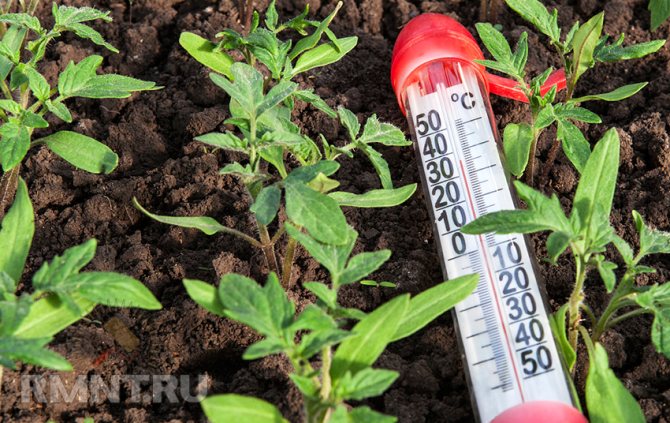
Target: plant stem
<point>268,248</point>
<point>530,174</point>
<point>626,316</point>
<point>326,382</point>
<point>288,263</point>
<point>575,301</point>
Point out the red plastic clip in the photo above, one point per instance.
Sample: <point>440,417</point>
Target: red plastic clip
<point>431,37</point>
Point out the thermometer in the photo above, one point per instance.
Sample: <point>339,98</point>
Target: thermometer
<point>512,361</point>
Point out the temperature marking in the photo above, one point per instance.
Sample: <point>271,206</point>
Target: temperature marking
<point>510,352</point>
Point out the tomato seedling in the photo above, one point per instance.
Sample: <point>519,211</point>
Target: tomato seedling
<point>579,50</point>
<point>587,233</point>
<point>29,98</point>
<point>261,113</point>
<point>62,294</point>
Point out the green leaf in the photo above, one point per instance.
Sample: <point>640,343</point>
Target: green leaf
<point>312,40</point>
<point>543,214</point>
<point>80,80</point>
<point>616,95</point>
<point>306,385</point>
<point>576,148</point>
<point>332,257</point>
<point>350,121</point>
<point>616,52</point>
<point>11,106</point>
<point>113,289</point>
<point>322,292</point>
<point>361,265</point>
<point>517,139</point>
<point>558,327</point>
<point>37,83</point>
<point>606,271</point>
<point>263,348</point>
<point>206,53</point>
<point>370,337</point>
<point>23,20</point>
<point>31,351</point>
<point>267,204</point>
<point>306,174</point>
<point>521,54</point>
<point>226,141</point>
<point>265,309</point>
<point>33,120</point>
<point>318,213</point>
<point>205,295</point>
<point>584,43</point>
<point>365,384</point>
<point>276,95</point>
<point>660,10</point>
<point>433,302</point>
<point>557,243</point>
<point>652,241</point>
<point>59,109</point>
<point>534,12</point>
<point>308,96</point>
<point>316,341</point>
<point>498,46</point>
<point>49,315</point>
<point>374,198</point>
<point>570,111</point>
<point>380,164</point>
<point>656,300</point>
<point>593,200</point>
<point>383,133</point>
<point>271,16</point>
<point>232,408</point>
<point>323,55</point>
<point>247,88</point>
<point>82,152</point>
<point>16,235</point>
<point>14,144</point>
<point>359,415</point>
<point>71,18</point>
<point>625,250</point>
<point>205,224</point>
<point>606,397</point>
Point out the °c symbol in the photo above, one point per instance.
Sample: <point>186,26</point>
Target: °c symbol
<point>464,101</point>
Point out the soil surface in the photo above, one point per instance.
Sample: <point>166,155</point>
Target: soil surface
<point>171,174</point>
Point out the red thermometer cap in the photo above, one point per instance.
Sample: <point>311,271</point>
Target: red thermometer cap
<point>541,411</point>
<point>430,37</point>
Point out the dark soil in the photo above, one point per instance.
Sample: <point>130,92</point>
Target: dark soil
<point>171,174</point>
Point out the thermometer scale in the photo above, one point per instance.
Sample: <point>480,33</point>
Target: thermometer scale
<point>511,355</point>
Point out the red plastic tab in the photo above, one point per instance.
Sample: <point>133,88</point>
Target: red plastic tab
<point>431,37</point>
<point>541,411</point>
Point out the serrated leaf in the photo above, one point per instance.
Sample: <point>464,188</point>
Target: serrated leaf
<point>86,32</point>
<point>332,257</point>
<point>312,40</point>
<point>380,164</point>
<point>323,55</point>
<point>24,20</point>
<point>37,83</point>
<point>616,52</point>
<point>318,213</point>
<point>227,141</point>
<point>315,341</point>
<point>350,121</point>
<point>206,53</point>
<point>624,249</point>
<point>652,241</point>
<point>276,95</point>
<point>557,243</point>
<point>575,146</point>
<point>606,397</point>
<point>112,289</point>
<point>558,327</point>
<point>271,16</point>
<point>374,198</point>
<point>82,152</point>
<point>205,295</point>
<point>246,87</point>
<point>517,140</point>
<point>616,95</point>
<point>545,117</point>
<point>322,292</point>
<point>263,348</point>
<point>231,408</point>
<point>370,337</point>
<point>543,214</point>
<point>498,46</point>
<point>81,80</point>
<point>266,205</point>
<point>570,111</point>
<point>383,133</point>
<point>433,302</point>
<point>59,109</point>
<point>14,144</point>
<point>606,271</point>
<point>16,235</point>
<point>306,174</point>
<point>534,12</point>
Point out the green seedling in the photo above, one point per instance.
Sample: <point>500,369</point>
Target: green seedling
<point>264,132</point>
<point>383,284</point>
<point>29,98</point>
<point>61,293</point>
<point>320,334</point>
<point>587,233</point>
<point>580,49</point>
